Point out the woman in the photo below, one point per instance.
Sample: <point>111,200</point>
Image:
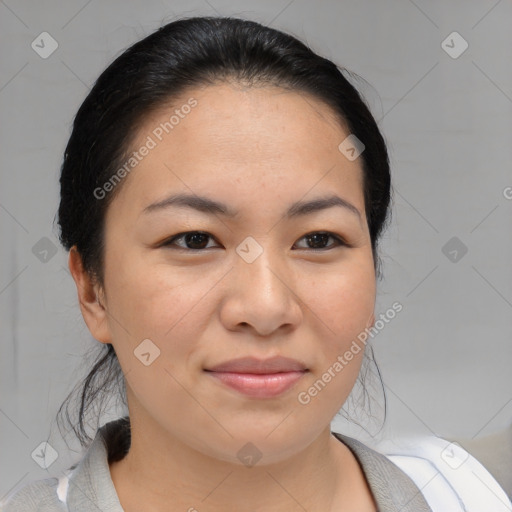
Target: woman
<point>222,196</point>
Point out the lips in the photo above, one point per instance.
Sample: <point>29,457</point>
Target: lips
<point>278,364</point>
<point>259,378</point>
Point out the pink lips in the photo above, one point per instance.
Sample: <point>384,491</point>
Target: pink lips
<point>259,378</point>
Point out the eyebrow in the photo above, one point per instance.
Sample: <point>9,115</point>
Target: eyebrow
<point>209,206</point>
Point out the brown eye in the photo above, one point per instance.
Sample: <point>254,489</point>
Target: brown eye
<point>193,240</point>
<point>318,240</point>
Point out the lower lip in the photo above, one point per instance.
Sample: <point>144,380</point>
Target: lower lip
<point>259,385</point>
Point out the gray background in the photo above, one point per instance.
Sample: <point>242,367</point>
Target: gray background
<point>445,358</point>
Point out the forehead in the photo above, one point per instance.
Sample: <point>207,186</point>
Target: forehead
<point>234,139</point>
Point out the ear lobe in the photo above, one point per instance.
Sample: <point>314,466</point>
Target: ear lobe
<point>93,310</point>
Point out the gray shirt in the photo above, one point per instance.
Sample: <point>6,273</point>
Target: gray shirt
<point>90,487</point>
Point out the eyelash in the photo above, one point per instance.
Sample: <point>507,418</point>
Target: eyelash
<point>339,241</point>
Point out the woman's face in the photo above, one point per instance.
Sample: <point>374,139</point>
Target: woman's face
<point>253,285</point>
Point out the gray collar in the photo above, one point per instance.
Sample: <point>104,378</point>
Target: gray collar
<point>392,489</point>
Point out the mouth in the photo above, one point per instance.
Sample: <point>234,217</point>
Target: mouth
<point>259,378</point>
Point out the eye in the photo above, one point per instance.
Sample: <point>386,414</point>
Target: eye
<point>319,238</point>
<point>194,240</point>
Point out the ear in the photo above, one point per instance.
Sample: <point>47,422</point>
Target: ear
<point>89,296</point>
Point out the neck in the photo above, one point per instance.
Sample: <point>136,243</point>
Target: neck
<point>160,470</point>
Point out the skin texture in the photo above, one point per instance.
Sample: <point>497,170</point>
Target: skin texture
<point>258,150</point>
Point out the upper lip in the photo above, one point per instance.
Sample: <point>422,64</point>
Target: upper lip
<point>276,364</point>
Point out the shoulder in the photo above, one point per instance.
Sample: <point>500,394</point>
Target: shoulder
<point>448,476</point>
<point>391,487</point>
<point>39,495</point>
<point>86,485</point>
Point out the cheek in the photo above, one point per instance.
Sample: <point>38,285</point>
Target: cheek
<point>340,305</point>
<point>170,307</point>
<point>167,308</point>
<point>340,302</point>
<point>153,299</point>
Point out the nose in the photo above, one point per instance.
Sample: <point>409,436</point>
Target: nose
<point>261,297</point>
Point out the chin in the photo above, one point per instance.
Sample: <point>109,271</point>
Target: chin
<point>253,446</point>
